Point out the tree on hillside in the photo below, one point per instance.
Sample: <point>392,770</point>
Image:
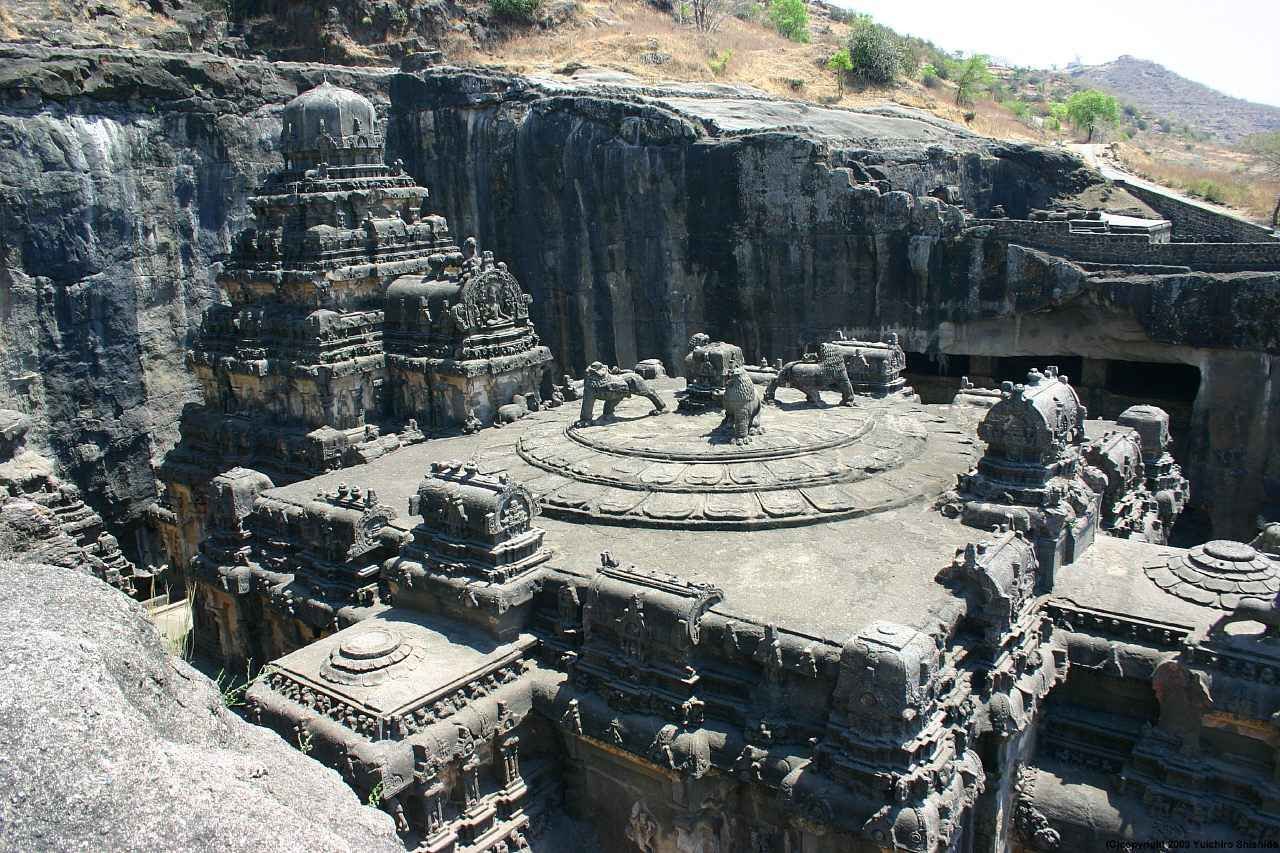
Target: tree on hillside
<point>971,77</point>
<point>1091,109</point>
<point>791,18</point>
<point>1266,148</point>
<point>841,64</point>
<point>876,53</point>
<point>708,15</point>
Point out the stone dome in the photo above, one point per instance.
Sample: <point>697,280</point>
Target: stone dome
<point>1218,574</point>
<point>366,657</point>
<point>326,122</point>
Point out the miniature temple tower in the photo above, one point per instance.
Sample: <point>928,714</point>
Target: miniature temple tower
<point>459,341</point>
<point>293,373</point>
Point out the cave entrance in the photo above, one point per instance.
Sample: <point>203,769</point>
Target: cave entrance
<point>1015,368</point>
<point>935,375</point>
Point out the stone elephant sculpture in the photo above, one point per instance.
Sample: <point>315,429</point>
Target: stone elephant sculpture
<point>613,386</point>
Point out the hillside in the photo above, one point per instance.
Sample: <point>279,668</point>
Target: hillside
<point>1158,90</point>
<point>654,40</point>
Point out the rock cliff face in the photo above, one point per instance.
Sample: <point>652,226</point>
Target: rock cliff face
<point>122,178</point>
<point>638,216</point>
<point>111,744</point>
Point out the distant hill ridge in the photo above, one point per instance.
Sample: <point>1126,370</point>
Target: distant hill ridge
<point>1156,89</point>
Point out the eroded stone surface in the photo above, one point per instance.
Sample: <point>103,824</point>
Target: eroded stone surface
<point>143,751</point>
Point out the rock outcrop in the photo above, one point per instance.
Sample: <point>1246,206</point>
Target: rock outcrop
<point>109,743</point>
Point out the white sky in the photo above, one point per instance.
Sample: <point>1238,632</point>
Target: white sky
<point>1231,45</point>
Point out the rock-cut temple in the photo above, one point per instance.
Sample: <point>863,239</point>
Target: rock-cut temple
<point>780,607</point>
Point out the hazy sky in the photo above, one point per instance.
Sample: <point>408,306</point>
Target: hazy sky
<point>1231,45</point>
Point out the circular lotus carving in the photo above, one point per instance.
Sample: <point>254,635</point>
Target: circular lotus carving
<point>1218,574</point>
<point>366,657</point>
<point>812,464</point>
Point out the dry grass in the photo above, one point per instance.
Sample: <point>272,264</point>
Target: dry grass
<point>1215,174</point>
<point>624,35</point>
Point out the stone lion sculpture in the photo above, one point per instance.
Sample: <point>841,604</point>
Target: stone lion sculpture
<point>1265,611</point>
<point>741,406</point>
<point>613,386</point>
<point>813,375</point>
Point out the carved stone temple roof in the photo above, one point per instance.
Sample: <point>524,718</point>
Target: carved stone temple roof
<point>328,118</point>
<point>1218,574</point>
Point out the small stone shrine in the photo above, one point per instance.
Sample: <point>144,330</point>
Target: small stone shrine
<point>875,368</point>
<point>459,344</point>
<point>707,367</point>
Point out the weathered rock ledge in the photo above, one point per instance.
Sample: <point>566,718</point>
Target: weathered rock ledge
<point>109,743</point>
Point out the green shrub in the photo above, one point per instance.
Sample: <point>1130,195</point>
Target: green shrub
<point>515,10</point>
<point>876,54</point>
<point>972,77</point>
<point>721,62</point>
<point>1208,190</point>
<point>929,75</point>
<point>840,63</point>
<point>790,18</point>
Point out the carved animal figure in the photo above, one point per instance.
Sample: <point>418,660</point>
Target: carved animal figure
<point>812,376</point>
<point>515,410</point>
<point>1268,540</point>
<point>741,406</point>
<point>613,386</point>
<point>570,390</point>
<point>1263,610</point>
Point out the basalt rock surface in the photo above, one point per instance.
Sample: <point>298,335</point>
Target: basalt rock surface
<point>109,743</point>
<point>123,176</point>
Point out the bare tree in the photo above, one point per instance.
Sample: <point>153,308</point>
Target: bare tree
<point>1265,147</point>
<point>708,15</point>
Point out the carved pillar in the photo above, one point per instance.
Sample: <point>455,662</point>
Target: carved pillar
<point>471,781</point>
<point>433,805</point>
<point>510,753</point>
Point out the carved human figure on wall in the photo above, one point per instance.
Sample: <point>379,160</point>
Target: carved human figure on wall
<point>456,516</point>
<point>642,828</point>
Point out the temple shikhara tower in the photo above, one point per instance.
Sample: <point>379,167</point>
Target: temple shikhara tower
<point>353,323</point>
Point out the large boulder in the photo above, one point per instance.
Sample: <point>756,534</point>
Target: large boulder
<point>109,743</point>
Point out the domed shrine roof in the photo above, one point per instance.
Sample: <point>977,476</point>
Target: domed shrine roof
<point>329,117</point>
<point>1218,574</point>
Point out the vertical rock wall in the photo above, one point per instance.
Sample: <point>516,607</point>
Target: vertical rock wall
<point>112,226</point>
<point>123,177</point>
